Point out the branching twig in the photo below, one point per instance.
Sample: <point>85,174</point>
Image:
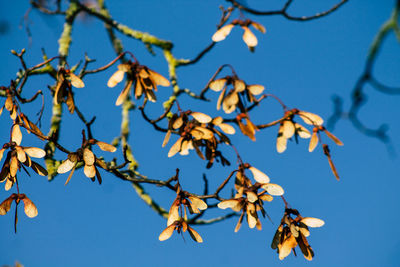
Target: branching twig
<point>283,11</point>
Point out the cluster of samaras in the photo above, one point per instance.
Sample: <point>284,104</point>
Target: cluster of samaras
<point>292,232</point>
<point>18,157</point>
<point>177,216</point>
<point>250,197</point>
<point>248,36</point>
<point>201,131</point>
<point>196,131</point>
<point>85,156</point>
<point>143,79</point>
<point>248,200</point>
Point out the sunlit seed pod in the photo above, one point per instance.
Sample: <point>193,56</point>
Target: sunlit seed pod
<point>9,103</point>
<point>288,244</point>
<point>251,215</point>
<point>249,38</point>
<point>240,191</point>
<point>246,130</point>
<point>304,231</point>
<point>193,209</point>
<point>255,89</point>
<point>217,85</point>
<point>26,122</point>
<point>14,166</point>
<point>230,102</point>
<point>288,129</point>
<point>265,197</point>
<point>312,222</point>
<point>9,184</point>
<point>177,123</point>
<point>258,225</point>
<point>166,234</point>
<point>184,226</point>
<point>88,156</point>
<point>293,230</point>
<point>194,235</point>
<point>258,26</point>
<point>239,86</point>
<point>222,33</point>
<point>138,89</point>
<point>273,189</point>
<point>13,114</point>
<point>175,147</point>
<point>173,214</point>
<point>166,138</point>
<point>198,203</point>
<point>125,67</point>
<point>281,144</point>
<point>197,134</point>
<point>302,131</point>
<point>143,74</point>
<point>116,78</point>
<point>251,125</point>
<point>35,152</point>
<point>5,206</point>
<point>287,221</point>
<point>220,99</point>
<point>58,92</point>
<point>311,118</point>
<point>70,102</point>
<point>16,135</point>
<point>20,154</point>
<point>333,168</point>
<point>313,142</point>
<point>159,79</point>
<point>251,196</point>
<point>239,177</point>
<point>124,94</point>
<point>184,148</point>
<point>106,147</point>
<point>29,208</point>
<point>1,153</point>
<point>217,120</point>
<point>230,203</point>
<point>226,128</point>
<point>207,134</point>
<point>66,166</point>
<point>150,84</point>
<point>259,176</point>
<point>76,81</point>
<point>334,138</point>
<point>201,117</point>
<point>90,171</point>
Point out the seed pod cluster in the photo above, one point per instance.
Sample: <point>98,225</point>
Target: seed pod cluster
<point>292,232</point>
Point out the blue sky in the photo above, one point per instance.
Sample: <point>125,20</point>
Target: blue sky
<point>304,63</point>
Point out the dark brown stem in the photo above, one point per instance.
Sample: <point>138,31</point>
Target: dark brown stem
<point>283,11</point>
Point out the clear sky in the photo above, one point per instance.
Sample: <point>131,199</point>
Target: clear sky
<point>304,63</point>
